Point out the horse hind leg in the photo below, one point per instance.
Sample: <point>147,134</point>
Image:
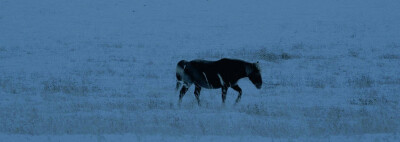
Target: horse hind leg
<point>182,93</point>
<point>239,90</point>
<point>197,94</point>
<point>178,85</point>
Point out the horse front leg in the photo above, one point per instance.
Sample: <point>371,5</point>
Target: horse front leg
<point>224,90</point>
<point>239,90</point>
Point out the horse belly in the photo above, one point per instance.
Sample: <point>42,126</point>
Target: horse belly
<point>209,86</point>
<point>208,83</point>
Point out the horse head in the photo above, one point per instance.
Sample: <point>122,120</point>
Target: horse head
<point>255,75</point>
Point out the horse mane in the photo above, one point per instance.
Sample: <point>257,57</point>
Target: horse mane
<point>251,67</point>
<point>257,65</point>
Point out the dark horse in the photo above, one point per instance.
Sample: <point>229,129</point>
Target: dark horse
<point>223,74</point>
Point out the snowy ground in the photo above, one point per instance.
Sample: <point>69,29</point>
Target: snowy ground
<point>105,70</point>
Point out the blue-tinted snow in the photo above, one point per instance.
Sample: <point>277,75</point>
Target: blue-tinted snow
<point>102,69</point>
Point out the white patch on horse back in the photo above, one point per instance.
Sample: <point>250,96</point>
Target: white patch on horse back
<point>221,80</point>
<point>205,76</point>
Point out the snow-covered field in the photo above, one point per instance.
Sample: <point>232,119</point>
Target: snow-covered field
<point>105,70</point>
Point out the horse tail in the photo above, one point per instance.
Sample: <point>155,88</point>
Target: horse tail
<point>180,67</point>
<point>178,81</point>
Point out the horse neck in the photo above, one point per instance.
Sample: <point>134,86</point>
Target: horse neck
<point>248,69</point>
